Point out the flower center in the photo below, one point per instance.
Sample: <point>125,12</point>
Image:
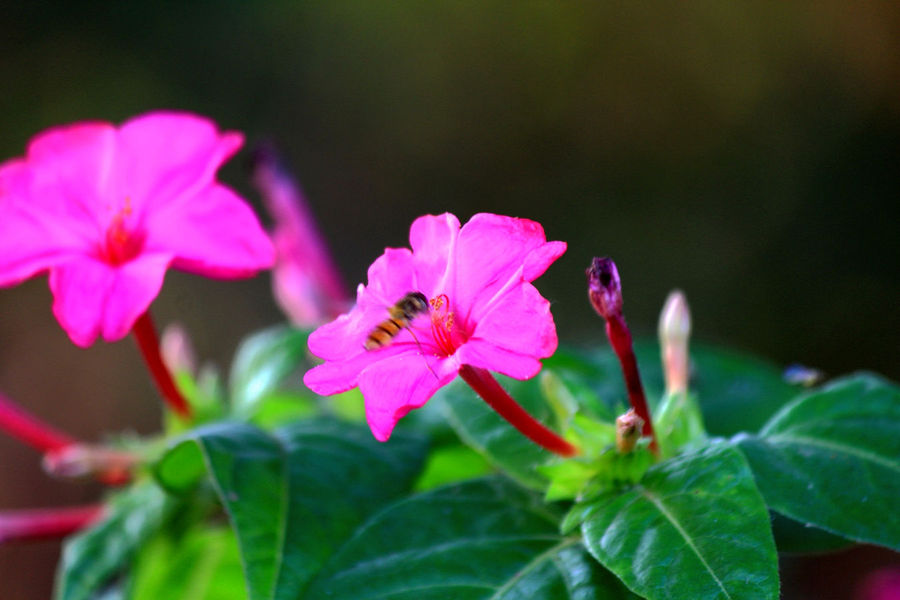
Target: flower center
<point>122,242</point>
<point>447,334</point>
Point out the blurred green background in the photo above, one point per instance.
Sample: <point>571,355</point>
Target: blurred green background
<point>746,152</point>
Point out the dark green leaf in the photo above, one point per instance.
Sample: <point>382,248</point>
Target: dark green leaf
<point>292,496</point>
<point>831,458</point>
<point>202,564</point>
<point>483,429</point>
<point>93,557</point>
<point>735,392</point>
<point>695,528</point>
<point>450,464</point>
<point>262,362</point>
<point>792,537</point>
<point>476,540</point>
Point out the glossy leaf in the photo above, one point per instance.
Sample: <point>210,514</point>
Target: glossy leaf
<point>201,564</point>
<point>262,363</point>
<point>734,391</point>
<point>484,430</point>
<point>95,556</point>
<point>831,458</point>
<point>792,537</point>
<point>479,540</point>
<point>694,528</point>
<point>292,496</point>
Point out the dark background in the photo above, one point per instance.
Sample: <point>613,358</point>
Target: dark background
<point>746,152</point>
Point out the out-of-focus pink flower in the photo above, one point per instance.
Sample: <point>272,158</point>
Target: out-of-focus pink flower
<point>484,314</point>
<point>106,210</point>
<point>883,584</point>
<point>305,282</point>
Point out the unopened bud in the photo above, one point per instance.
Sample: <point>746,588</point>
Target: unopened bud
<point>177,350</point>
<point>83,461</point>
<point>604,287</point>
<point>674,334</point>
<point>628,431</point>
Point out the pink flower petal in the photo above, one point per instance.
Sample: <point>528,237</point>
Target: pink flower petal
<point>433,239</point>
<point>169,156</point>
<point>491,250</point>
<point>520,321</point>
<point>75,173</point>
<point>345,337</point>
<point>29,242</point>
<point>92,298</point>
<point>484,354</point>
<point>334,377</point>
<point>391,277</point>
<point>213,233</point>
<point>394,386</point>
<point>540,258</point>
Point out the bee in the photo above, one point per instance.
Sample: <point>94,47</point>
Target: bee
<point>402,313</point>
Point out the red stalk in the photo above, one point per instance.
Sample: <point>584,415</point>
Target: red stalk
<point>620,339</point>
<point>491,392</point>
<point>36,524</point>
<point>29,429</point>
<point>148,342</point>
<point>605,293</point>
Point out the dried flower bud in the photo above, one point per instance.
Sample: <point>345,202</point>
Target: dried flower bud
<point>674,333</point>
<point>83,461</point>
<point>604,287</point>
<point>628,431</point>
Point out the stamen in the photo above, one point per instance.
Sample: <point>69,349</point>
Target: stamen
<point>122,242</point>
<point>442,324</point>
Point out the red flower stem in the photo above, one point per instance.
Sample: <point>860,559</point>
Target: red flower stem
<point>491,392</point>
<point>20,525</point>
<point>148,342</point>
<point>620,339</point>
<point>29,429</point>
<point>605,294</point>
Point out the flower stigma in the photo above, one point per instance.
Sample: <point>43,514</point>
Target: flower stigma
<point>121,243</point>
<point>446,336</point>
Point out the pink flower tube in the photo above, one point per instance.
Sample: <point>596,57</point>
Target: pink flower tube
<point>483,315</point>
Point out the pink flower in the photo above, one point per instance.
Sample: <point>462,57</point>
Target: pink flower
<point>305,282</point>
<point>107,210</point>
<point>484,314</point>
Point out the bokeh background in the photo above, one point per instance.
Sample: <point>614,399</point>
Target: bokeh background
<point>746,152</point>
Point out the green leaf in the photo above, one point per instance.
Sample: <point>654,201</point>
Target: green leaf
<point>261,364</point>
<point>93,557</point>
<point>483,539</point>
<point>831,458</point>
<point>694,528</point>
<point>292,496</point>
<point>450,464</point>
<point>792,537</point>
<point>203,564</point>
<point>735,392</point>
<point>485,431</point>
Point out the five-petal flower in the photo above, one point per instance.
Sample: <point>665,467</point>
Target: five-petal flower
<point>484,313</point>
<point>106,210</point>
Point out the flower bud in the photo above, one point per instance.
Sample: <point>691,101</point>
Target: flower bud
<point>674,333</point>
<point>628,431</point>
<point>177,350</point>
<point>84,461</point>
<point>604,287</point>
